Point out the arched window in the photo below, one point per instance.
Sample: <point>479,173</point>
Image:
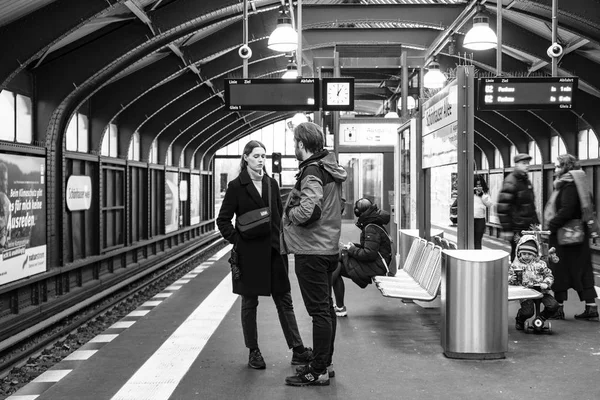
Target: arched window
<point>154,152</point>
<point>534,152</point>
<point>587,144</point>
<point>77,133</point>
<point>16,117</point>
<point>498,163</point>
<point>557,147</point>
<point>134,147</point>
<point>109,142</point>
<point>169,160</point>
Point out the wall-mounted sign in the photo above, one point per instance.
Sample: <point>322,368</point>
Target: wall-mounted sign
<point>171,201</point>
<point>368,132</point>
<point>440,124</point>
<point>300,94</point>
<point>79,192</point>
<point>183,190</point>
<point>526,93</point>
<point>22,217</point>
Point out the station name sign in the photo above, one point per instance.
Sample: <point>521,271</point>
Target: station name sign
<point>526,93</point>
<point>300,94</point>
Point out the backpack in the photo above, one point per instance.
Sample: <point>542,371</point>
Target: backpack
<point>392,267</point>
<point>588,215</point>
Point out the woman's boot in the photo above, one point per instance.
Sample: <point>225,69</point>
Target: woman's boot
<point>559,314</point>
<point>590,313</point>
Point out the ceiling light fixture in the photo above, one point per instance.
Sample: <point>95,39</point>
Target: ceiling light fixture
<point>434,78</point>
<point>284,38</point>
<point>292,71</point>
<point>481,36</point>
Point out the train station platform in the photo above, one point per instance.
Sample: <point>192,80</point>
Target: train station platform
<point>187,344</point>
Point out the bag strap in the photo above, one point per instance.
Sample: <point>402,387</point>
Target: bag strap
<point>385,264</point>
<point>269,189</point>
<point>384,231</point>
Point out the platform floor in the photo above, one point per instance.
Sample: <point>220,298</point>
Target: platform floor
<point>187,344</point>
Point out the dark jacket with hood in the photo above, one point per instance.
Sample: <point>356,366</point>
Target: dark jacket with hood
<point>516,203</point>
<point>363,261</point>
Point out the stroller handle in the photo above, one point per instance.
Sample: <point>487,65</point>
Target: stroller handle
<point>535,232</point>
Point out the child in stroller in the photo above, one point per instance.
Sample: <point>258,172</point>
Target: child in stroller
<point>530,269</point>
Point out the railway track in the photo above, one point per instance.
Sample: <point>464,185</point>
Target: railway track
<point>24,356</point>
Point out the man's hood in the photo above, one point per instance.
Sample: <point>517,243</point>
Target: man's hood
<point>329,163</point>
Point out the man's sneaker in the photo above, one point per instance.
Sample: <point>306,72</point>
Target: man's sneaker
<point>330,370</point>
<point>256,360</point>
<point>340,311</point>
<point>302,358</point>
<point>519,325</point>
<point>307,376</point>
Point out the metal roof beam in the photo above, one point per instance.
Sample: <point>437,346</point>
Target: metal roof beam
<point>138,10</point>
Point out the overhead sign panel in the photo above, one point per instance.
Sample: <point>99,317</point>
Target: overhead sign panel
<point>527,93</point>
<point>300,94</point>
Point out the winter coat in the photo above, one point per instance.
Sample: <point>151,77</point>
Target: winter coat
<point>312,222</point>
<point>516,203</point>
<point>363,261</point>
<point>535,272</point>
<point>263,270</point>
<point>574,268</point>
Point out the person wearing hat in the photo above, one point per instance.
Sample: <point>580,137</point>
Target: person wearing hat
<point>362,261</point>
<point>516,203</point>
<point>530,271</point>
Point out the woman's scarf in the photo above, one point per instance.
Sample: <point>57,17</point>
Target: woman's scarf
<point>550,209</point>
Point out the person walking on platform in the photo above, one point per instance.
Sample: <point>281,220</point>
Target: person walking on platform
<point>371,257</point>
<point>516,203</point>
<point>480,204</point>
<point>261,270</point>
<point>312,224</point>
<point>574,269</point>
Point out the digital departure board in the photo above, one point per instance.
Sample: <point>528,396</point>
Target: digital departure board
<point>526,93</point>
<point>300,94</point>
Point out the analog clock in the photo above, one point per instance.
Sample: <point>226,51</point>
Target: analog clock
<point>338,93</point>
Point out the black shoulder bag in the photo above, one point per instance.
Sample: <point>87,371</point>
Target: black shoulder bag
<point>256,223</point>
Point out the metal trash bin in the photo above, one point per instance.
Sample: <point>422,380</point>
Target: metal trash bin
<point>474,304</point>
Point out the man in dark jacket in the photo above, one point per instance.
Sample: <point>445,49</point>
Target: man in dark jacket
<point>516,203</point>
<point>311,229</point>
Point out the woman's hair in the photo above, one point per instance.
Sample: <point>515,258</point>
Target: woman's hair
<point>567,162</point>
<point>311,135</point>
<point>482,183</point>
<point>249,148</point>
<point>361,206</point>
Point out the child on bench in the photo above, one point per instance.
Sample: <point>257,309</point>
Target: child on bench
<point>530,271</point>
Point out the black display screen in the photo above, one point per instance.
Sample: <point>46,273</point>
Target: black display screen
<point>300,94</point>
<point>526,93</point>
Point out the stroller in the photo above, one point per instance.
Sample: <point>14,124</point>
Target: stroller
<point>537,324</point>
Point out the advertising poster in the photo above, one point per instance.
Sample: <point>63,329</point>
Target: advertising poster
<point>22,217</point>
<point>195,199</point>
<point>171,201</point>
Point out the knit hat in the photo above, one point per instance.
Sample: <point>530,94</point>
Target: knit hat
<point>529,246</point>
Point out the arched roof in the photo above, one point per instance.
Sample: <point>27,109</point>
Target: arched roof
<point>157,66</point>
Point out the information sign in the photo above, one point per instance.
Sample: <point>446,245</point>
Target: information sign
<point>526,93</point>
<point>301,94</point>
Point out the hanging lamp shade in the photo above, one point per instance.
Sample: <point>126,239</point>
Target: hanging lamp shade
<point>292,71</point>
<point>434,78</point>
<point>410,103</point>
<point>391,114</point>
<point>284,38</point>
<point>481,36</point>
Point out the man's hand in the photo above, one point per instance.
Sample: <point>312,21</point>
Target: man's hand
<point>543,286</point>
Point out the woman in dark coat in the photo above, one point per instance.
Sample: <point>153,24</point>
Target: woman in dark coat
<point>362,261</point>
<point>263,272</point>
<point>574,269</point>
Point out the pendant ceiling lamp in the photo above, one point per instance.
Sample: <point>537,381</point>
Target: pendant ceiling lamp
<point>434,78</point>
<point>410,103</point>
<point>292,71</point>
<point>481,36</point>
<point>284,38</point>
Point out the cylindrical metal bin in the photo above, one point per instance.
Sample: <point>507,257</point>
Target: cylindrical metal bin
<point>474,304</point>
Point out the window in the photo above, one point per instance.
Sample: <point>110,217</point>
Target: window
<point>169,160</point>
<point>77,133</point>
<point>484,161</point>
<point>134,147</point>
<point>109,142</point>
<point>534,152</point>
<point>557,147</point>
<point>513,153</point>
<point>16,116</point>
<point>498,163</point>
<point>588,144</point>
<point>154,152</point>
